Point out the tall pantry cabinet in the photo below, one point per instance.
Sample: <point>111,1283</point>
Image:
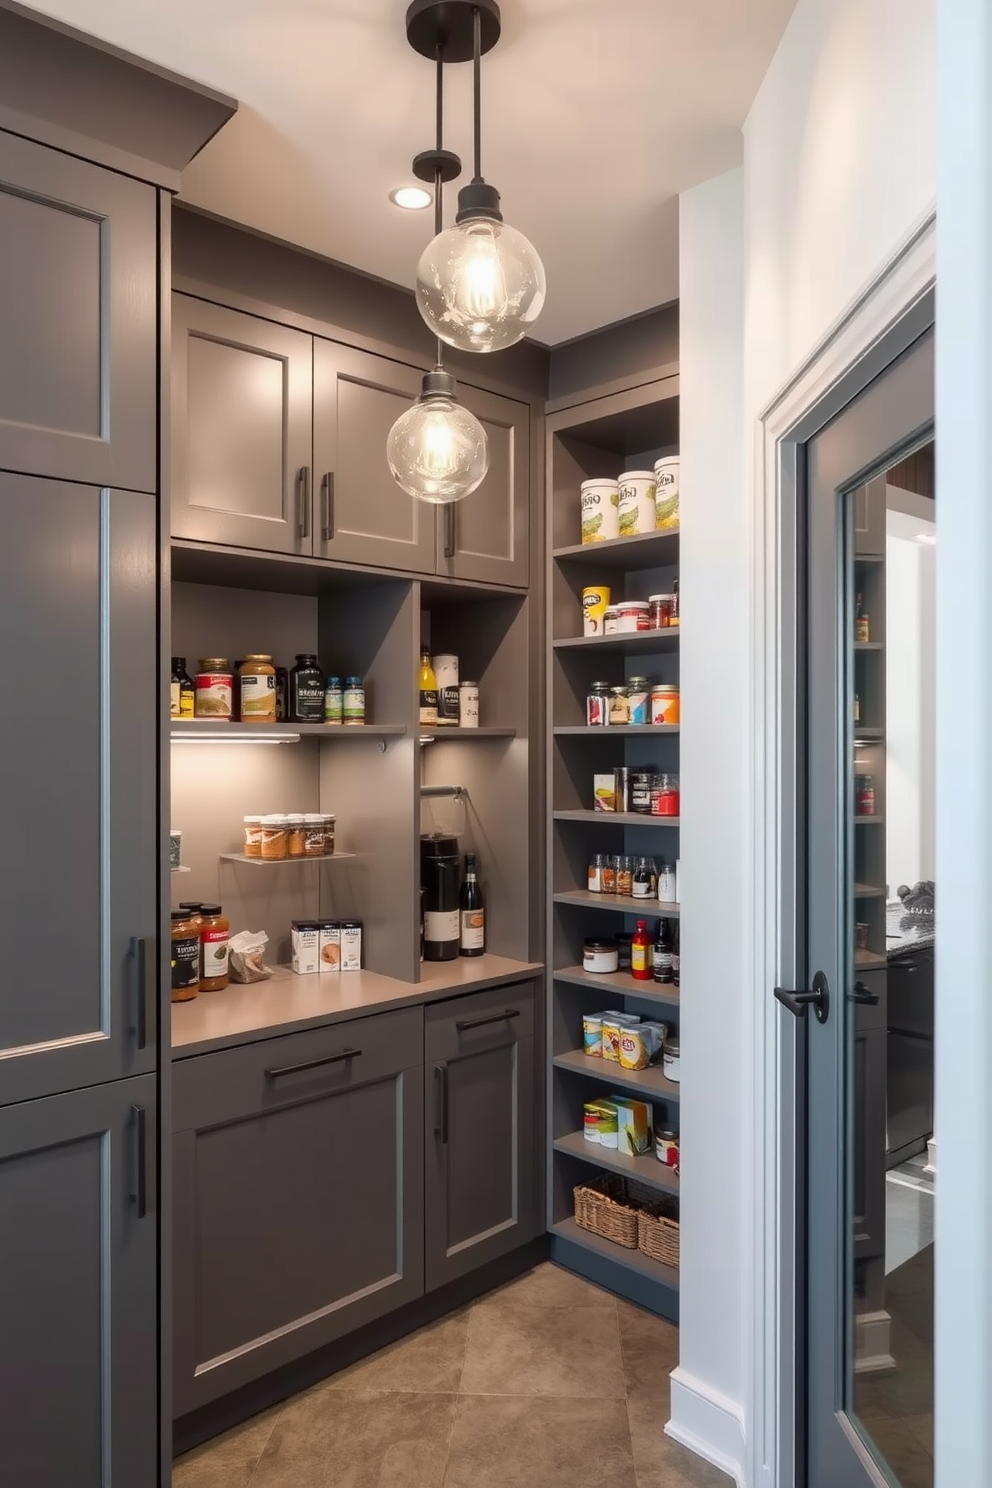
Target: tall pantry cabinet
<point>80,1017</point>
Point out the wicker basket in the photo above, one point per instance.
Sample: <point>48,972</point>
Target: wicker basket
<point>658,1236</point>
<point>601,1206</point>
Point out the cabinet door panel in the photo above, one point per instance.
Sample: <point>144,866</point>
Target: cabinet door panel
<point>241,429</point>
<point>78,304</point>
<point>80,739</point>
<point>485,537</point>
<point>362,515</point>
<point>78,1290</point>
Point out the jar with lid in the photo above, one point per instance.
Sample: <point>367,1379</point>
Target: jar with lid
<point>667,883</point>
<point>639,700</point>
<point>608,874</point>
<point>193,909</point>
<point>182,693</point>
<point>275,838</point>
<point>215,933</point>
<point>213,689</point>
<point>468,705</point>
<point>595,877</point>
<point>313,835</point>
<point>598,704</point>
<point>333,701</point>
<point>295,835</point>
<point>671,1061</point>
<point>599,956</point>
<point>665,796</point>
<point>611,620</point>
<point>641,782</point>
<point>306,690</point>
<point>665,704</point>
<point>633,615</point>
<point>642,880</point>
<point>258,689</point>
<point>625,875</point>
<point>353,702</point>
<point>661,611</point>
<point>619,705</point>
<point>328,823</point>
<point>253,836</point>
<point>666,1147</point>
<point>185,956</point>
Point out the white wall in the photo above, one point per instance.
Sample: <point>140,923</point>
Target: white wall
<point>838,167</point>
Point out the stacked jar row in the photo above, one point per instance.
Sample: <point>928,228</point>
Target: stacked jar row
<point>276,837</point>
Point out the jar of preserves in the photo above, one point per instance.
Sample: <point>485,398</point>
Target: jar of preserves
<point>253,836</point>
<point>598,704</point>
<point>633,615</point>
<point>639,700</point>
<point>625,875</point>
<point>665,704</point>
<point>661,611</point>
<point>185,956</point>
<point>353,703</point>
<point>213,690</point>
<point>295,836</point>
<point>666,1147</point>
<point>864,795</point>
<point>275,838</point>
<point>306,690</point>
<point>258,689</point>
<point>215,934</point>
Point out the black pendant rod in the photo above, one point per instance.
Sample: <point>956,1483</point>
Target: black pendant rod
<point>438,178</point>
<point>477,86</point>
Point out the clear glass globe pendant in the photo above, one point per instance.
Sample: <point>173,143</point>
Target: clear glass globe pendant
<point>437,450</point>
<point>481,283</point>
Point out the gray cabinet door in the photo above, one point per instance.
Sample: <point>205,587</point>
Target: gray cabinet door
<point>242,399</point>
<point>481,1195</point>
<point>78,306</point>
<point>298,1197</point>
<point>360,513</point>
<point>79,1289</point>
<point>79,744</point>
<point>486,537</point>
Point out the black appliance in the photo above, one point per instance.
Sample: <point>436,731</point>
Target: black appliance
<point>440,877</point>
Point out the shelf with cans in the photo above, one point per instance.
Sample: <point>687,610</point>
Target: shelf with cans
<point>614,822</point>
<point>868,758</point>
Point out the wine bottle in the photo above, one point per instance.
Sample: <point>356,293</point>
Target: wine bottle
<point>428,691</point>
<point>472,911</point>
<point>663,954</point>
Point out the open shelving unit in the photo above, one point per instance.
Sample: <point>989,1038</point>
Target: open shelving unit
<point>604,437</point>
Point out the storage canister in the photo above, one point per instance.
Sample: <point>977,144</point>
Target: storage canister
<point>637,503</point>
<point>468,705</point>
<point>665,795</point>
<point>275,838</point>
<point>313,835</point>
<point>661,611</point>
<point>641,782</point>
<point>598,704</point>
<point>610,620</point>
<point>253,836</point>
<point>599,956</point>
<point>666,480</point>
<point>353,702</point>
<point>665,703</point>
<point>599,500</point>
<point>633,615</point>
<point>328,823</point>
<point>670,1060</point>
<point>666,1147</point>
<point>595,602</point>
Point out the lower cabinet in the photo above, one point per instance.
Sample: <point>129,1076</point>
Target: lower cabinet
<point>79,1288</point>
<point>482,1175</point>
<point>298,1196</point>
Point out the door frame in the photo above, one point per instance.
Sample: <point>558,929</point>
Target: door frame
<point>875,328</point>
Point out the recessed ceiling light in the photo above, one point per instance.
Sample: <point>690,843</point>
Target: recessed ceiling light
<point>411,198</point>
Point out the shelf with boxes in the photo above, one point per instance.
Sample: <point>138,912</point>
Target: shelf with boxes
<point>613,785</point>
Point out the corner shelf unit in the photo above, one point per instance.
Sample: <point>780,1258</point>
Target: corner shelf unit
<point>605,436</point>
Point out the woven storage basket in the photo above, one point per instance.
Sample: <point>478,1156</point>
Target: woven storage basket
<point>658,1237</point>
<point>600,1206</point>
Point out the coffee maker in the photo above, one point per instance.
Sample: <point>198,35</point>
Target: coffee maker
<point>440,878</point>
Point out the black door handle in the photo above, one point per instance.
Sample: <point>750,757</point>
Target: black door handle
<point>146,987</point>
<point>441,1102</point>
<point>863,995</point>
<point>464,1023</point>
<point>327,487</point>
<point>303,499</point>
<point>818,999</point>
<point>309,1064</point>
<point>139,1190</point>
<point>449,529</point>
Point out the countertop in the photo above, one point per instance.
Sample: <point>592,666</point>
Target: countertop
<point>287,1003</point>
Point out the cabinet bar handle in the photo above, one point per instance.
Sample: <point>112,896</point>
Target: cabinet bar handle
<point>309,1064</point>
<point>449,530</point>
<point>139,1191</point>
<point>146,987</point>
<point>464,1023</point>
<point>303,499</point>
<point>327,488</point>
<point>441,1102</point>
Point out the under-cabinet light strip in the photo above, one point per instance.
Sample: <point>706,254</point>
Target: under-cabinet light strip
<point>220,738</point>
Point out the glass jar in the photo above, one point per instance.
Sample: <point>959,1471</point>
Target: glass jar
<point>213,689</point>
<point>215,934</point>
<point>595,877</point>
<point>295,836</point>
<point>328,823</point>
<point>275,838</point>
<point>313,835</point>
<point>661,611</point>
<point>185,956</point>
<point>864,795</point>
<point>193,908</point>
<point>608,874</point>
<point>643,879</point>
<point>599,956</point>
<point>610,620</point>
<point>598,704</point>
<point>633,615</point>
<point>619,705</point>
<point>353,707</point>
<point>625,875</point>
<point>306,690</point>
<point>253,836</point>
<point>665,704</point>
<point>665,796</point>
<point>639,700</point>
<point>257,684</point>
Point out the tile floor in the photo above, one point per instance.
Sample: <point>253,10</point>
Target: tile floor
<point>546,1383</point>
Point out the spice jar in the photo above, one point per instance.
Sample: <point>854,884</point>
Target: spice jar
<point>313,835</point>
<point>295,836</point>
<point>598,704</point>
<point>665,796</point>
<point>625,875</point>
<point>619,705</point>
<point>213,689</point>
<point>661,611</point>
<point>253,836</point>
<point>643,879</point>
<point>665,703</point>
<point>185,956</point>
<point>608,874</point>
<point>595,876</point>
<point>215,933</point>
<point>275,838</point>
<point>258,689</point>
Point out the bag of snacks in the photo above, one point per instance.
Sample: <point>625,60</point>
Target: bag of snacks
<point>247,962</point>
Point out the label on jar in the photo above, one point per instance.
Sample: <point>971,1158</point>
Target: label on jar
<point>441,925</point>
<point>308,702</point>
<point>354,705</point>
<point>333,705</point>
<point>214,946</point>
<point>185,962</point>
<point>258,698</point>
<point>428,705</point>
<point>595,879</point>
<point>175,700</point>
<point>473,929</point>
<point>619,709</point>
<point>468,706</point>
<point>639,704</point>
<point>214,694</point>
<point>641,888</point>
<point>447,704</point>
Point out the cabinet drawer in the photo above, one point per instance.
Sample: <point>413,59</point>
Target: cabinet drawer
<point>295,1067</point>
<point>461,1024</point>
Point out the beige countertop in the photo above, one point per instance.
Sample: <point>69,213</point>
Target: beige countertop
<point>287,1003</point>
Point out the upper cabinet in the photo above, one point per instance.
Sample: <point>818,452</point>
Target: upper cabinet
<point>78,304</point>
<point>361,514</point>
<point>242,395</point>
<point>485,538</point>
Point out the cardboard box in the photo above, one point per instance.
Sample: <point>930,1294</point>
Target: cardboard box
<point>603,792</point>
<point>306,948</point>
<point>633,1125</point>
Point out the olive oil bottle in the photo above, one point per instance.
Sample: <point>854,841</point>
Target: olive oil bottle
<point>428,691</point>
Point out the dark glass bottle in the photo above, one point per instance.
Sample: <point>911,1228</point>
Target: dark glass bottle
<point>663,951</point>
<point>472,911</point>
<point>306,691</point>
<point>181,690</point>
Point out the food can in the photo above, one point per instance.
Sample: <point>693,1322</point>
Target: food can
<point>610,620</point>
<point>595,602</point>
<point>638,513</point>
<point>666,496</point>
<point>590,1121</point>
<point>598,705</point>
<point>446,672</point>
<point>665,703</point>
<point>600,515</point>
<point>592,1035</point>
<point>468,704</point>
<point>633,615</point>
<point>641,782</point>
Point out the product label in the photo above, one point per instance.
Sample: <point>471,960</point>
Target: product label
<point>351,947</point>
<point>214,695</point>
<point>641,889</point>
<point>185,963</point>
<point>637,507</point>
<point>468,707</point>
<point>473,929</point>
<point>175,692</point>
<point>353,705</point>
<point>305,951</point>
<point>214,945</point>
<point>258,698</point>
<point>597,709</point>
<point>447,703</point>
<point>445,669</point>
<point>441,925</point>
<point>308,702</point>
<point>330,948</point>
<point>638,958</point>
<point>428,705</point>
<point>599,514</point>
<point>333,705</point>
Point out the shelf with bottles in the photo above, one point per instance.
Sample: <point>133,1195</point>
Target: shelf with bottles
<point>650,908</point>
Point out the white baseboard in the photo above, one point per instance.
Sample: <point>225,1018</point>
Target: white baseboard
<point>708,1424</point>
<point>931,1162</point>
<point>871,1342</point>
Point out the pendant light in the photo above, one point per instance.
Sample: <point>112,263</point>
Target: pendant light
<point>437,450</point>
<point>481,283</point>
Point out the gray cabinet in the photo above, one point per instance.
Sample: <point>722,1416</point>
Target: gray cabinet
<point>361,515</point>
<point>78,305</point>
<point>486,537</point>
<point>298,1196</point>
<point>481,1180</point>
<point>78,912</point>
<point>78,1279</point>
<point>242,390</point>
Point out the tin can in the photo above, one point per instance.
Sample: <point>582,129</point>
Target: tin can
<point>468,704</point>
<point>213,692</point>
<point>595,602</point>
<point>599,501</point>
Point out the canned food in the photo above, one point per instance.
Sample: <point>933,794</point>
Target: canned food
<point>661,610</point>
<point>213,690</point>
<point>599,500</point>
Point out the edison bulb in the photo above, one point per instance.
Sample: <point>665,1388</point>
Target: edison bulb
<point>480,285</point>
<point>438,451</point>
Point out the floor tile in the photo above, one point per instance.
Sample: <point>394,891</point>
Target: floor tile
<point>428,1361</point>
<point>549,1285</point>
<point>332,1439</point>
<point>543,1351</point>
<point>904,1453</point>
<point>499,1442</point>
<point>229,1460</point>
<point>922,1429</point>
<point>649,1348</point>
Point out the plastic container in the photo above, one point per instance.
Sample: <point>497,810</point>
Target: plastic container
<point>354,701</point>
<point>215,933</point>
<point>600,956</point>
<point>666,495</point>
<point>665,703</point>
<point>313,835</point>
<point>275,838</point>
<point>328,824</point>
<point>637,508</point>
<point>665,796</point>
<point>633,615</point>
<point>599,500</point>
<point>253,836</point>
<point>295,835</point>
<point>175,847</point>
<point>661,610</point>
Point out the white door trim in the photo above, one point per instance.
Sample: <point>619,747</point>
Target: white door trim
<point>817,390</point>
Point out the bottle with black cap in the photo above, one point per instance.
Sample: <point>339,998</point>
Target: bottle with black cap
<point>472,911</point>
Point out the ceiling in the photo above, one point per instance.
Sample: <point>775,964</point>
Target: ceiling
<point>596,114</point>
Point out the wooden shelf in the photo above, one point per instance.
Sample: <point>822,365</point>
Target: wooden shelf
<point>220,730</point>
<point>631,1260</point>
<point>650,908</point>
<point>649,550</point>
<point>633,643</point>
<point>618,818</point>
<point>649,1083</point>
<point>336,857</point>
<point>866,959</point>
<point>623,730</point>
<point>614,982</point>
<point>644,1169</point>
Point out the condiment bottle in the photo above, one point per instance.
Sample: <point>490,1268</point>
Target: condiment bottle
<point>185,956</point>
<point>181,690</point>
<point>215,933</point>
<point>427,684</point>
<point>663,949</point>
<point>640,953</point>
<point>472,911</point>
